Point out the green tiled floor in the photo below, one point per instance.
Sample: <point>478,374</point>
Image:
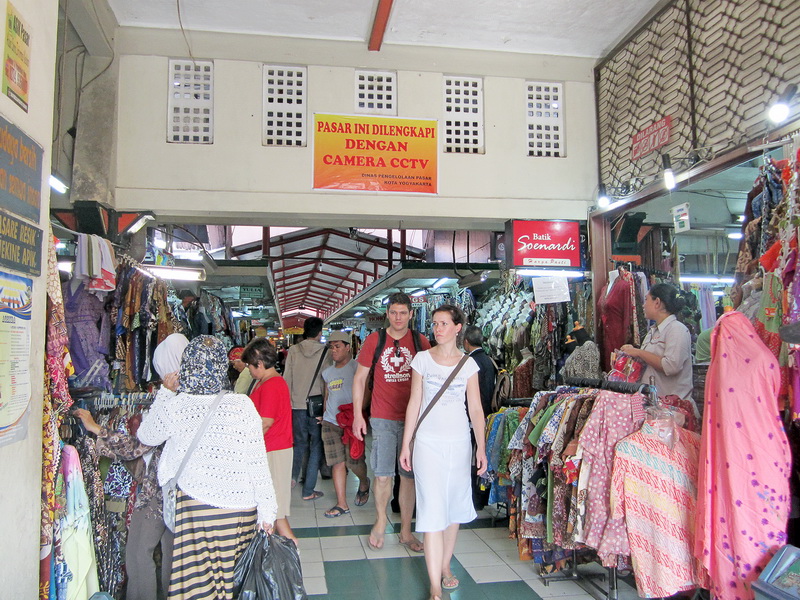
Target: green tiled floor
<point>338,564</point>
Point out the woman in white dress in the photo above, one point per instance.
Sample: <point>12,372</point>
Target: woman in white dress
<point>442,448</point>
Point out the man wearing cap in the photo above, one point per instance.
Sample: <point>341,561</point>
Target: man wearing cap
<point>338,393</point>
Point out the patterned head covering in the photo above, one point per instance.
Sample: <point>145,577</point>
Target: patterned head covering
<point>235,353</point>
<point>204,367</point>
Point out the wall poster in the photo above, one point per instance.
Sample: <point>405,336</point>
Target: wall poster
<point>17,58</point>
<point>15,352</point>
<point>375,154</point>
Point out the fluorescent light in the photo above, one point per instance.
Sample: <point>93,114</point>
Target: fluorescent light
<point>736,235</point>
<point>418,293</point>
<point>178,273</point>
<point>385,301</point>
<point>57,185</point>
<point>65,266</point>
<point>602,196</point>
<point>669,174</point>
<point>779,111</point>
<point>139,223</point>
<point>550,273</point>
<point>440,282</point>
<point>706,279</point>
<point>359,313</point>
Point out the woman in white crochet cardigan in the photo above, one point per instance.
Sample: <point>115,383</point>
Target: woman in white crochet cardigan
<point>225,489</point>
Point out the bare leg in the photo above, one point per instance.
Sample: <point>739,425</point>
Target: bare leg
<point>283,528</point>
<point>383,490</point>
<point>339,472</point>
<point>407,500</point>
<point>450,535</point>
<point>434,551</point>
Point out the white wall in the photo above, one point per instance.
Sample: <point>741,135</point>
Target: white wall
<point>237,180</point>
<point>20,463</point>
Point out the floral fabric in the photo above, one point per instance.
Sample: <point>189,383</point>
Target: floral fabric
<point>745,462</point>
<point>204,367</point>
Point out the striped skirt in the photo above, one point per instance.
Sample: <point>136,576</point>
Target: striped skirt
<point>207,542</point>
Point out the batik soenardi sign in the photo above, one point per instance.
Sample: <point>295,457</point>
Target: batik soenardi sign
<point>543,243</point>
<point>375,154</point>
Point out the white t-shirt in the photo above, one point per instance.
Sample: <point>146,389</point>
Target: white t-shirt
<point>448,420</point>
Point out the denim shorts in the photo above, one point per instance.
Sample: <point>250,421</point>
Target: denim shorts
<point>387,440</point>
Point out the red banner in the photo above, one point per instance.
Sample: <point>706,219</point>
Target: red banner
<point>544,244</point>
<point>651,138</point>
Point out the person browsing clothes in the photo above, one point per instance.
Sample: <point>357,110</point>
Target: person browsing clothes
<point>667,347</point>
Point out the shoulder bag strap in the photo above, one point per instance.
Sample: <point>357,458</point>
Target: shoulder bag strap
<point>316,371</point>
<point>379,347</point>
<point>439,394</point>
<point>199,434</point>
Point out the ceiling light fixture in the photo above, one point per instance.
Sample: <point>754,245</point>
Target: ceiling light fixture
<point>602,196</point>
<point>418,293</point>
<point>139,223</point>
<point>779,110</point>
<point>551,273</point>
<point>736,235</point>
<point>57,185</point>
<point>706,279</point>
<point>669,174</point>
<point>473,279</point>
<point>440,282</point>
<point>359,313</point>
<point>177,273</point>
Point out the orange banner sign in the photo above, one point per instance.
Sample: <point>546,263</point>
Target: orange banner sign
<point>375,154</point>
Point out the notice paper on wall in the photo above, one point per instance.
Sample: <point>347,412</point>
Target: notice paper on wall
<point>15,352</point>
<point>547,290</point>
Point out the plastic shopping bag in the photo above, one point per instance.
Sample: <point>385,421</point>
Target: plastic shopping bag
<point>269,569</point>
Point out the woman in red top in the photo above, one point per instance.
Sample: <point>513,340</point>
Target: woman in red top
<point>270,394</point>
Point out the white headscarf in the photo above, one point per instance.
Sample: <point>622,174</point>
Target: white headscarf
<point>167,356</point>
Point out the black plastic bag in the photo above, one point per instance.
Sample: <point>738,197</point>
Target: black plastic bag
<point>269,569</point>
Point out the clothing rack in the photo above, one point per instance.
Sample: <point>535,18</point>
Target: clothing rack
<point>109,400</point>
<point>591,587</point>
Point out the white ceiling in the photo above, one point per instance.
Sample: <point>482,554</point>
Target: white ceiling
<point>567,27</point>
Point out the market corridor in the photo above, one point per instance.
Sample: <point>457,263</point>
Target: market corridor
<point>338,564</point>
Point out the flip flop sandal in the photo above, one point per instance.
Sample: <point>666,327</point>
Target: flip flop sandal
<point>414,545</point>
<point>362,497</point>
<point>449,583</point>
<point>336,511</point>
<point>314,495</point>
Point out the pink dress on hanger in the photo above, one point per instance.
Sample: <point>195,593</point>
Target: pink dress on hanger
<point>743,487</point>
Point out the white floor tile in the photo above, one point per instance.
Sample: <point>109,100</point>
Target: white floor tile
<point>343,541</point>
<point>336,554</point>
<point>492,574</point>
<point>556,589</point>
<point>363,517</point>
<point>525,570</point>
<point>492,533</point>
<point>315,585</point>
<point>470,546</point>
<point>313,569</point>
<point>308,543</point>
<point>312,555</point>
<point>479,559</point>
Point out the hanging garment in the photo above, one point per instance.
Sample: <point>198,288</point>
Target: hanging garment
<point>743,499</point>
<point>654,492</point>
<point>76,530</point>
<point>614,417</point>
<point>88,328</point>
<point>616,312</point>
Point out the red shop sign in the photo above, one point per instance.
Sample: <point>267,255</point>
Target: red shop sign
<point>543,243</point>
<point>651,138</point>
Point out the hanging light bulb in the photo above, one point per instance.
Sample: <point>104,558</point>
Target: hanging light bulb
<point>779,110</point>
<point>602,196</point>
<point>669,174</point>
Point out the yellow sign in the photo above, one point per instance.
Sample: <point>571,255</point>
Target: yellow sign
<point>375,154</point>
<point>17,58</point>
